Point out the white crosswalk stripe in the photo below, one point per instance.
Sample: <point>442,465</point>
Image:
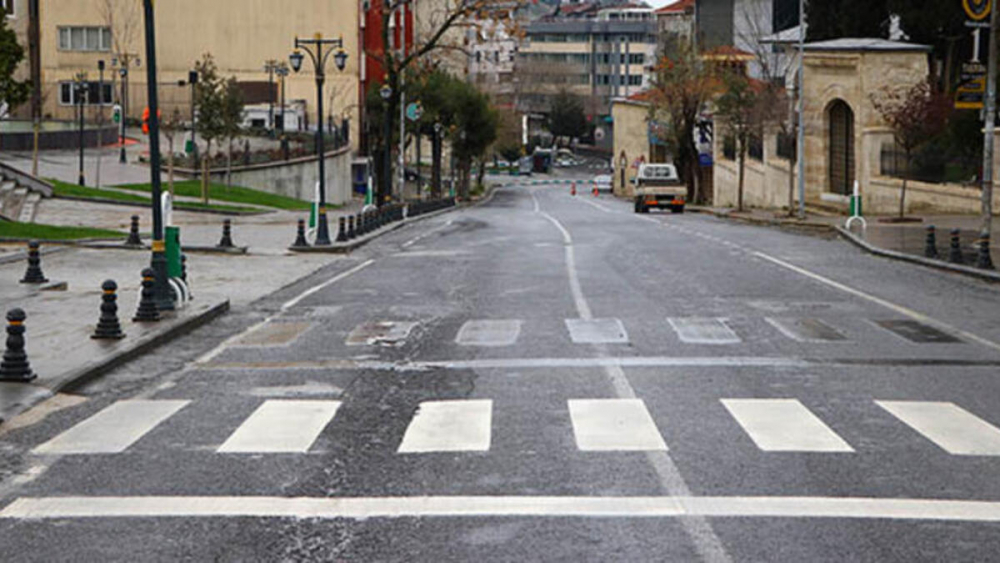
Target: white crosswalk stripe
<point>113,429</point>
<point>784,425</point>
<point>285,426</point>
<point>614,425</point>
<point>703,330</point>
<point>489,332</point>
<point>450,426</point>
<point>954,429</point>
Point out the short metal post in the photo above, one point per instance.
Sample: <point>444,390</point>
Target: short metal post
<point>34,272</point>
<point>984,261</point>
<point>147,311</point>
<point>133,233</point>
<point>300,238</point>
<point>227,235</point>
<point>108,326</point>
<point>955,254</point>
<point>930,243</point>
<point>15,365</point>
<point>341,229</point>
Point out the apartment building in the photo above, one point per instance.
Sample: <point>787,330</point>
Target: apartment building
<point>240,34</point>
<point>744,24</point>
<point>598,53</point>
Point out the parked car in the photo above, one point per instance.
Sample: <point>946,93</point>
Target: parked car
<point>602,182</point>
<point>659,186</point>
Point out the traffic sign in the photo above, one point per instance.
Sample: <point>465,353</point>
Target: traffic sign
<point>116,114</point>
<point>414,111</point>
<point>977,10</point>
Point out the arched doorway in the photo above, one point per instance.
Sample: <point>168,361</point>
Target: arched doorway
<point>841,158</point>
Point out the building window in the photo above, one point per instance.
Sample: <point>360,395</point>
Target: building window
<point>67,94</point>
<point>84,39</point>
<point>634,80</point>
<point>9,7</point>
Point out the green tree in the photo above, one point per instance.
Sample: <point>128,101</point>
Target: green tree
<point>941,25</point>
<point>917,115</point>
<point>738,111</point>
<point>211,125</point>
<point>476,128</point>
<point>566,116</point>
<point>13,92</point>
<point>834,19</point>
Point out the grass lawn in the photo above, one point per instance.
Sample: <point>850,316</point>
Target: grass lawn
<point>73,190</point>
<point>12,229</point>
<point>234,194</point>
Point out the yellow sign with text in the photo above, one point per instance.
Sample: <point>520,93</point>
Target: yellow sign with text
<point>977,10</point>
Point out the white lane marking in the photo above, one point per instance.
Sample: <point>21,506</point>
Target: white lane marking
<point>431,254</point>
<point>705,541</point>
<point>281,426</point>
<point>954,429</point>
<point>597,331</point>
<point>450,426</point>
<point>113,429</point>
<point>214,352</point>
<point>784,425</point>
<point>360,508</point>
<point>489,332</point>
<point>806,330</point>
<point>703,330</point>
<point>920,317</point>
<point>597,205</point>
<point>610,425</point>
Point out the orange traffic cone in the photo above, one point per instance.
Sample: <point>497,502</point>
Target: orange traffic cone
<point>572,189</point>
<point>595,191</point>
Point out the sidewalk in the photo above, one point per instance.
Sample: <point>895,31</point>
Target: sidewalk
<point>59,323</point>
<point>905,238</point>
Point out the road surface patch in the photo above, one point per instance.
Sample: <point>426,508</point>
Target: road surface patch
<point>806,329</point>
<point>489,332</point>
<point>281,426</point>
<point>703,330</point>
<point>449,426</point>
<point>917,332</point>
<point>274,334</point>
<point>381,333</point>
<point>597,331</point>
<point>952,428</point>
<point>784,425</point>
<point>602,425</point>
<point>113,429</point>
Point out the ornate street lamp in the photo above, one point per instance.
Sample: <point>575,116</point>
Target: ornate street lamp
<point>319,50</point>
<point>386,92</point>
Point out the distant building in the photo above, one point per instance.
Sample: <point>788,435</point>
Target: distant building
<point>491,62</point>
<point>676,21</point>
<point>595,52</point>
<point>743,24</point>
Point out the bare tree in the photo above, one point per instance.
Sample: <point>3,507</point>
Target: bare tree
<point>124,19</point>
<point>170,127</point>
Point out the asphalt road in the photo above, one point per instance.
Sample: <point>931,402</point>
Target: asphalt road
<point>542,378</point>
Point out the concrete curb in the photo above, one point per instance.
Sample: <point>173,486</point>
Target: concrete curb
<point>236,250</point>
<point>347,247</point>
<point>23,256</point>
<point>773,222</point>
<point>177,206</point>
<point>92,370</point>
<point>986,275</point>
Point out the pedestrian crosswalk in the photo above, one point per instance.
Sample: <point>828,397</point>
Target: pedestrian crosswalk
<point>708,331</point>
<point>772,425</point>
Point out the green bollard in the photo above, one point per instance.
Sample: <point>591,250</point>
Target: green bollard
<point>174,266</point>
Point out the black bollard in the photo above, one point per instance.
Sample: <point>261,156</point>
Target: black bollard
<point>955,255</point>
<point>184,267</point>
<point>147,311</point>
<point>300,237</point>
<point>350,227</point>
<point>108,327</point>
<point>133,233</point>
<point>34,272</point>
<point>930,243</point>
<point>363,222</point>
<point>341,229</point>
<point>15,366</point>
<point>227,235</point>
<point>984,261</point>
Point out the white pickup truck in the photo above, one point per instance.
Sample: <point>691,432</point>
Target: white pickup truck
<point>659,186</point>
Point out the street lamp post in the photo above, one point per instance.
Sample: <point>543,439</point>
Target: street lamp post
<point>436,164</point>
<point>319,50</point>
<point>161,291</point>
<point>193,82</point>
<point>80,91</point>
<point>100,120</point>
<point>123,62</point>
<point>282,72</point>
<point>270,67</point>
<point>386,92</point>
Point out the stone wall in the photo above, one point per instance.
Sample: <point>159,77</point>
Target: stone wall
<point>631,140</point>
<point>295,178</point>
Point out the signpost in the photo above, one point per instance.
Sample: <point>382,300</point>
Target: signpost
<point>978,11</point>
<point>414,111</point>
<point>971,91</point>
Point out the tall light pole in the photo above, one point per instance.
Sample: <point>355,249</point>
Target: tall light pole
<point>193,82</point>
<point>270,66</point>
<point>282,72</point>
<point>319,50</point>
<point>990,116</point>
<point>100,120</point>
<point>801,142</point>
<point>80,92</point>
<point>124,61</point>
<point>161,291</point>
<point>386,92</point>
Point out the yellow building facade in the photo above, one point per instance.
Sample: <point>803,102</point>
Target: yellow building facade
<point>241,35</point>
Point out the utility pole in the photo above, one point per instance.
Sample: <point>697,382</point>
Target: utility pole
<point>35,59</point>
<point>988,140</point>
<point>100,121</point>
<point>800,153</point>
<point>402,103</point>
